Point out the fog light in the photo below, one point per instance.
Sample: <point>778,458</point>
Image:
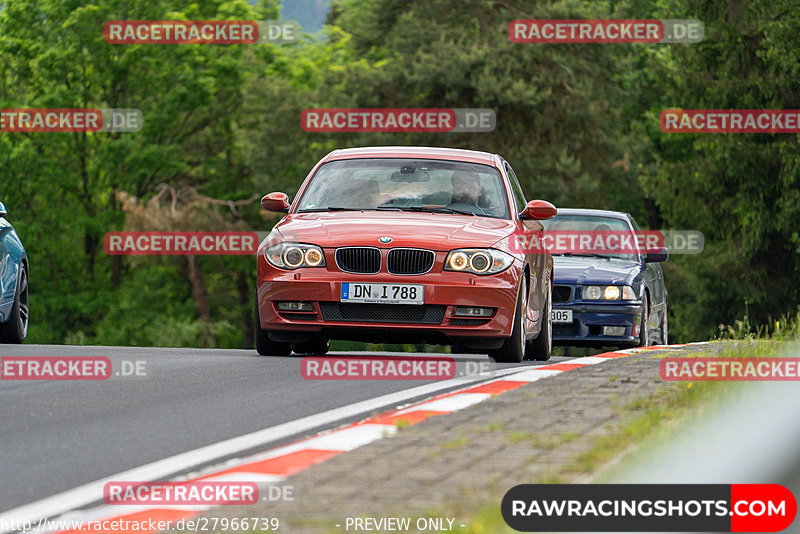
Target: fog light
<point>469,311</point>
<point>295,306</point>
<point>613,330</point>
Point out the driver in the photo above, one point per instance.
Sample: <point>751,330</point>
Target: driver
<point>466,187</point>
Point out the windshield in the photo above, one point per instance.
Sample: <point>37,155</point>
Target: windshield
<point>590,235</point>
<point>448,187</point>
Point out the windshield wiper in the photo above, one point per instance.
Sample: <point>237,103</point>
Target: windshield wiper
<point>427,209</point>
<point>586,254</point>
<point>423,209</point>
<point>329,208</point>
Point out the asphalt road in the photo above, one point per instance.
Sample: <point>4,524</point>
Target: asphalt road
<point>59,434</point>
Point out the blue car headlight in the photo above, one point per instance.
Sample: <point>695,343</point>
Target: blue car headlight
<point>608,293</point>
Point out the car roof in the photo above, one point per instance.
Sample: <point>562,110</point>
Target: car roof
<point>456,154</point>
<point>593,212</point>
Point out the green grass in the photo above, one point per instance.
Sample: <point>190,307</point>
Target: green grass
<point>658,417</point>
<point>784,328</point>
<point>654,420</point>
<point>454,444</point>
<point>660,413</point>
<point>491,427</point>
<point>517,436</point>
<point>400,424</point>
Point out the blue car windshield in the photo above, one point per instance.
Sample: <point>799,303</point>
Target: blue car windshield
<point>592,236</point>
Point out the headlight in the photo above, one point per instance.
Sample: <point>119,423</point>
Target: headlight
<point>294,255</point>
<point>608,293</point>
<point>611,293</point>
<point>592,292</point>
<point>478,260</point>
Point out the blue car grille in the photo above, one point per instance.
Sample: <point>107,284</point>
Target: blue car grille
<point>562,293</point>
<point>570,329</point>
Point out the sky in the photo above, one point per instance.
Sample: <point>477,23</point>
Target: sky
<point>309,13</point>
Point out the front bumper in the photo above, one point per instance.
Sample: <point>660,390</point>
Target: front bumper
<point>436,323</point>
<point>588,320</point>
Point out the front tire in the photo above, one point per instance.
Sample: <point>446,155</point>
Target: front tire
<point>513,349</point>
<point>542,347</point>
<point>316,347</point>
<point>644,331</point>
<point>15,329</point>
<point>664,327</point>
<point>264,345</point>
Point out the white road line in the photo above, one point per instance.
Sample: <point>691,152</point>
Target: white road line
<point>246,476</point>
<point>346,439</point>
<point>532,375</point>
<point>592,360</point>
<point>161,469</point>
<point>449,404</point>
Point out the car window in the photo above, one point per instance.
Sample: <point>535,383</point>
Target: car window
<point>519,196</point>
<point>414,184</point>
<point>595,226</point>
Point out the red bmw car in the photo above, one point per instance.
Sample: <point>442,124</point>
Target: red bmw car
<point>406,244</point>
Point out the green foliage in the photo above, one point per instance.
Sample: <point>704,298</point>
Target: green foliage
<point>61,188</point>
<point>579,123</point>
<point>740,190</point>
<point>559,122</point>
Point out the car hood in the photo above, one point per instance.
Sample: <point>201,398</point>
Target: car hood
<point>590,271</point>
<point>434,231</point>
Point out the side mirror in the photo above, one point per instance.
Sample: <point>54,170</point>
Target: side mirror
<point>656,255</point>
<point>278,202</point>
<point>3,211</point>
<point>538,210</point>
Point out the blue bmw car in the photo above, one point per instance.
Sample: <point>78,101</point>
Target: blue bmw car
<point>13,284</point>
<point>605,298</point>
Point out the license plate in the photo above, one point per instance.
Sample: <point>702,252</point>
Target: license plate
<point>562,316</point>
<point>383,293</point>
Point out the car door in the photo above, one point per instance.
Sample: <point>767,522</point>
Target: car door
<point>538,261</point>
<point>5,276</point>
<point>654,279</point>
